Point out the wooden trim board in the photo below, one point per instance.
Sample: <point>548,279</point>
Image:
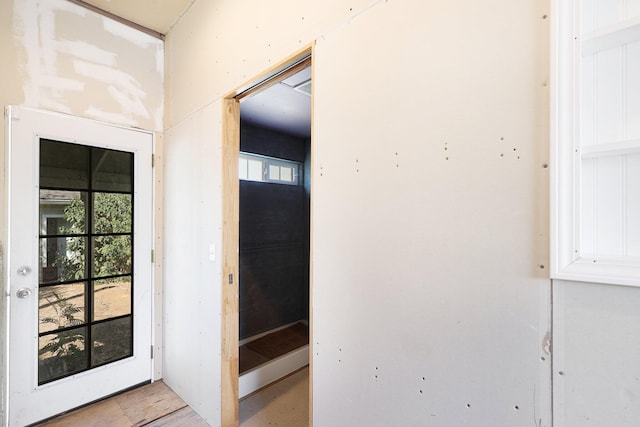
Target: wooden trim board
<point>230,262</point>
<point>229,411</point>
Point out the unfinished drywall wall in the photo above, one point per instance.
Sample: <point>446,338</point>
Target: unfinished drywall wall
<point>431,297</point>
<point>58,56</point>
<point>596,376</point>
<point>192,298</point>
<point>219,45</point>
<point>444,286</point>
<point>77,62</point>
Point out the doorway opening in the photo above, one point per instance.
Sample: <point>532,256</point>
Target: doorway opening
<point>266,233</point>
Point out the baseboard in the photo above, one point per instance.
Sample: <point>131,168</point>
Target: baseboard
<point>273,370</point>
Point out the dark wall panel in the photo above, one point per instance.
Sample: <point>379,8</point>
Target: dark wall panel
<point>270,143</point>
<point>271,214</point>
<point>270,289</point>
<point>274,240</point>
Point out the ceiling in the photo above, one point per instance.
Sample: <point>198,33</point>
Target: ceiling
<point>282,107</point>
<point>157,15</point>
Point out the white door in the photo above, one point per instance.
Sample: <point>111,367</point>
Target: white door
<point>80,272</point>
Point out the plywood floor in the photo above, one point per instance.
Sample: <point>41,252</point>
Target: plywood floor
<point>284,403</point>
<point>154,405</point>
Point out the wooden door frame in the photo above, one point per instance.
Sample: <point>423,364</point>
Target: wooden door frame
<point>229,410</point>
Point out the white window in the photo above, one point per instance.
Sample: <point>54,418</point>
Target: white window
<point>254,167</point>
<point>596,141</point>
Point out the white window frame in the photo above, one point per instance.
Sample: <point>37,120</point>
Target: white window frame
<point>266,162</point>
<point>567,261</point>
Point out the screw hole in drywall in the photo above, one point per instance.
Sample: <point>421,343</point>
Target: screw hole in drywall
<point>468,405</point>
<point>561,373</point>
<point>545,166</point>
<point>542,358</point>
<point>544,16</point>
<point>516,407</point>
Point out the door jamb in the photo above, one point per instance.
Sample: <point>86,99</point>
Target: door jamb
<point>229,409</point>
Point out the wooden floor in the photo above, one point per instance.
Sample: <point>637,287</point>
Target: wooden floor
<point>273,345</point>
<point>284,403</point>
<point>152,405</point>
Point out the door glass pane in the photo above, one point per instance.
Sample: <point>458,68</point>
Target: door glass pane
<point>111,298</point>
<point>111,341</point>
<point>61,306</point>
<point>62,212</point>
<point>86,237</point>
<point>112,213</point>
<point>62,259</point>
<point>111,170</point>
<point>63,165</point>
<point>111,255</point>
<point>61,354</point>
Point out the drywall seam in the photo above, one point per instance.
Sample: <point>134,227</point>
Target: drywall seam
<point>184,12</point>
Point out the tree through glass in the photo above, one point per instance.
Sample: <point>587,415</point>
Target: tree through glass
<point>86,258</point>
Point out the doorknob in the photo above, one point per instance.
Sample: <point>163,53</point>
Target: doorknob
<point>23,292</point>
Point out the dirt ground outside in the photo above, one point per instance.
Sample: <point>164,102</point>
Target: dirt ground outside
<point>63,305</point>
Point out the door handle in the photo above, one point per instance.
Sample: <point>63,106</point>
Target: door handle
<point>23,293</point>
